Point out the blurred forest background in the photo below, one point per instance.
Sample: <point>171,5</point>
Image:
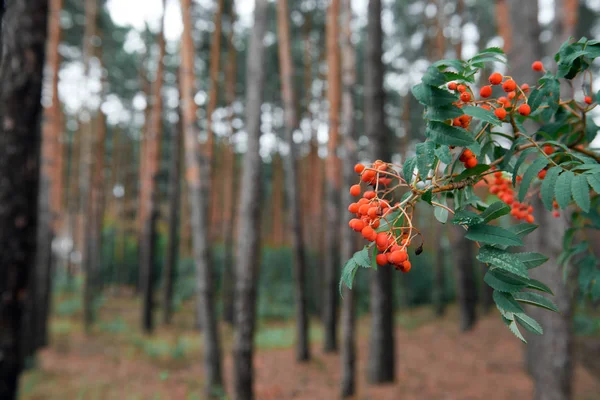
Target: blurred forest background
<point>191,226</point>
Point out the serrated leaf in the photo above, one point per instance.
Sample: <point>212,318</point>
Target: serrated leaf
<point>529,323</point>
<point>475,147</point>
<point>535,299</point>
<point>362,258</point>
<point>495,210</point>
<point>581,192</point>
<point>506,302</point>
<point>521,230</point>
<point>531,260</point>
<point>433,77</point>
<point>476,170</point>
<point>529,174</point>
<point>467,218</point>
<point>515,330</point>
<point>493,235</point>
<point>408,168</point>
<point>426,197</point>
<point>537,285</point>
<point>442,113</point>
<point>442,133</point>
<point>425,157</point>
<point>502,283</point>
<point>432,96</point>
<point>482,114</point>
<point>520,161</point>
<point>562,190</point>
<point>443,153</point>
<point>548,184</point>
<point>440,213</point>
<point>594,181</point>
<point>503,260</point>
<point>359,259</point>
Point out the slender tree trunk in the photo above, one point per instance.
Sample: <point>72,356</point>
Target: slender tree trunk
<point>85,168</point>
<point>381,342</point>
<point>23,42</point>
<point>172,258</point>
<point>277,232</point>
<point>293,195</point>
<point>195,162</point>
<point>466,289</point>
<point>248,249</point>
<point>229,181</point>
<point>331,256</point>
<point>348,242</point>
<point>153,142</point>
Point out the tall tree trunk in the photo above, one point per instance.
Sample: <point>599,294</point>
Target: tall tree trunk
<point>466,289</point>
<point>277,232</point>
<point>347,240</point>
<point>248,249</point>
<point>49,191</point>
<point>331,257</point>
<point>195,162</point>
<point>172,258</point>
<point>381,344</point>
<point>229,179</point>
<point>85,167</point>
<point>291,181</point>
<point>549,356</point>
<point>153,142</point>
<point>23,42</point>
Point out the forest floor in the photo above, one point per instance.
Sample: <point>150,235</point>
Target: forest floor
<point>434,361</point>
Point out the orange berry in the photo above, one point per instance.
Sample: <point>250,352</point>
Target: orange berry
<point>456,122</point>
<point>372,212</point>
<point>512,95</point>
<point>504,101</point>
<point>382,240</point>
<point>465,96</point>
<point>452,85</point>
<point>519,178</point>
<point>355,190</point>
<point>353,208</point>
<point>485,107</point>
<point>485,91</point>
<point>367,232</point>
<point>498,174</point>
<point>525,88</point>
<point>471,162</point>
<point>500,113</point>
<point>381,259</point>
<point>555,214</point>
<point>587,99</point>
<point>406,266</point>
<point>537,66</point>
<point>357,224</point>
<point>542,174</point>
<point>364,209</point>
<point>529,218</point>
<point>358,168</point>
<point>375,224</point>
<point>369,195</point>
<point>509,85</point>
<point>495,78</point>
<point>524,109</point>
<point>461,88</point>
<point>548,149</point>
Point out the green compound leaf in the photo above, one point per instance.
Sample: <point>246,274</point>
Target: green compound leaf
<point>523,229</point>
<point>562,190</point>
<point>515,330</point>
<point>359,259</point>
<point>432,96</point>
<point>495,210</point>
<point>529,174</point>
<point>443,153</point>
<point>503,260</point>
<point>581,192</point>
<point>506,303</point>
<point>476,170</point>
<point>531,260</point>
<point>548,185</point>
<point>493,235</point>
<point>520,161</point>
<point>425,157</point>
<point>467,218</point>
<point>482,114</point>
<point>444,134</point>
<point>529,323</point>
<point>536,299</point>
<point>594,181</point>
<point>502,282</point>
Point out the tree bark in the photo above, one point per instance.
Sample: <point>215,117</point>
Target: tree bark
<point>347,241</point>
<point>172,258</point>
<point>381,365</point>
<point>291,181</point>
<point>330,256</point>
<point>466,289</point>
<point>23,42</point>
<point>85,169</point>
<point>151,198</point>
<point>248,249</point>
<point>195,162</point>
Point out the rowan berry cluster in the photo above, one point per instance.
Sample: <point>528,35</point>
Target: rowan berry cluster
<point>373,207</point>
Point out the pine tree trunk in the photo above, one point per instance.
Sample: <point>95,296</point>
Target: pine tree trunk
<point>248,248</point>
<point>85,170</point>
<point>291,181</point>
<point>196,162</point>
<point>381,342</point>
<point>151,199</point>
<point>466,289</point>
<point>347,240</point>
<point>23,41</point>
<point>331,256</point>
<point>171,259</point>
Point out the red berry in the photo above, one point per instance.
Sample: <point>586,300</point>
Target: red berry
<point>381,259</point>
<point>357,224</point>
<point>500,113</point>
<point>529,218</point>
<point>555,214</point>
<point>542,174</point>
<point>353,208</point>
<point>367,232</point>
<point>525,88</point>
<point>461,88</point>
<point>495,78</point>
<point>471,162</point>
<point>382,240</point>
<point>509,86</point>
<point>588,100</point>
<point>358,168</point>
<point>485,91</point>
<point>355,190</point>
<point>524,109</point>
<point>465,96</point>
<point>512,95</point>
<point>537,66</point>
<point>406,266</point>
<point>548,149</point>
<point>369,195</point>
<point>452,85</point>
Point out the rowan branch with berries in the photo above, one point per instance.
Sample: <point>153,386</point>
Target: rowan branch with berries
<point>482,141</point>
